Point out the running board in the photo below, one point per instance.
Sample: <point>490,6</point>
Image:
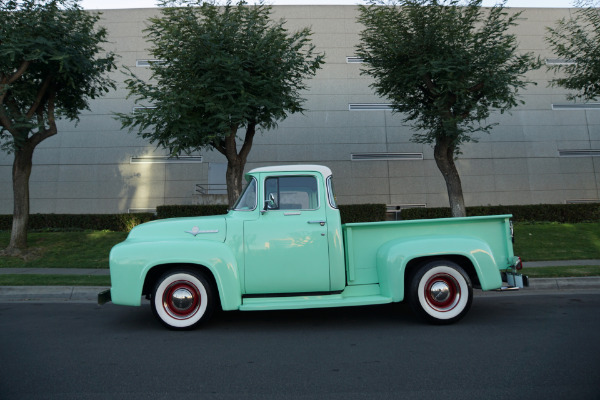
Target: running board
<point>361,295</point>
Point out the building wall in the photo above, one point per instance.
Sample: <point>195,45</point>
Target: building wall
<point>96,167</point>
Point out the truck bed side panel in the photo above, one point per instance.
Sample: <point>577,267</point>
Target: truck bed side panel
<point>484,240</point>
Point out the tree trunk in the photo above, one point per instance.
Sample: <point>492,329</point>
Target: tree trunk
<point>20,175</point>
<point>234,176</point>
<point>236,161</point>
<point>444,158</point>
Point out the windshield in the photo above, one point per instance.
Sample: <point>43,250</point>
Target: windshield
<point>247,200</point>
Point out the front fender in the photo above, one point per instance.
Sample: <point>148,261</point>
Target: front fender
<point>394,256</point>
<point>131,261</point>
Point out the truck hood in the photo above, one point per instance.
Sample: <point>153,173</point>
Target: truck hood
<point>193,228</point>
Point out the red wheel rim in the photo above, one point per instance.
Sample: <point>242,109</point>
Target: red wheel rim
<point>181,300</point>
<point>442,292</point>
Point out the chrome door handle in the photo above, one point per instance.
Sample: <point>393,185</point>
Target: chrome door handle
<point>322,223</point>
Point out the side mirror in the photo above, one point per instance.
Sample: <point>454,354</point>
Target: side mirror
<point>270,204</point>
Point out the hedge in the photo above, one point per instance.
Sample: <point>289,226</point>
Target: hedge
<point>190,211</point>
<point>349,213</point>
<point>362,212</point>
<point>112,222</point>
<point>563,213</point>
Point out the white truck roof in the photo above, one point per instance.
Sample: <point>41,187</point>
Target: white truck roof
<point>325,171</point>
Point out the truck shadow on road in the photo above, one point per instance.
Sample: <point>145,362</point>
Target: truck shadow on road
<point>483,311</point>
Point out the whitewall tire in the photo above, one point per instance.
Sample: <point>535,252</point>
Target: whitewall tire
<point>181,299</point>
<point>441,292</point>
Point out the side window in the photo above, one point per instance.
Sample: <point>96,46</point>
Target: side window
<point>292,193</point>
<point>247,200</point>
<point>331,193</point>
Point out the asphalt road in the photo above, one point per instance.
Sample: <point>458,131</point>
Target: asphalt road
<point>510,346</point>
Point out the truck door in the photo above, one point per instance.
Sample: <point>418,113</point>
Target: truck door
<point>286,248</point>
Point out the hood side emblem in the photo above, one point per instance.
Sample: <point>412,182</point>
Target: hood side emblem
<point>195,231</point>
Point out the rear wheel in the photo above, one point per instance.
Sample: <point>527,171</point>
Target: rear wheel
<point>182,299</point>
<point>441,292</point>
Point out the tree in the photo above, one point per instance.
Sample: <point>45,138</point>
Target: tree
<point>445,66</point>
<point>48,70</point>
<point>577,40</point>
<point>223,71</point>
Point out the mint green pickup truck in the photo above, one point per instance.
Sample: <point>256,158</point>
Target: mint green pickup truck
<point>283,246</point>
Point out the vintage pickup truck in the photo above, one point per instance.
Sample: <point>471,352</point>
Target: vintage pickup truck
<point>283,246</point>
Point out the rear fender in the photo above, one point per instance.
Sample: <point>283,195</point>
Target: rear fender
<point>137,259</point>
<point>394,256</point>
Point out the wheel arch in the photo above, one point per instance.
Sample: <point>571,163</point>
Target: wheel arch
<point>398,260</point>
<point>416,263</point>
<point>227,299</point>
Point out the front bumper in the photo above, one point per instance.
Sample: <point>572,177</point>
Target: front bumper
<point>104,297</point>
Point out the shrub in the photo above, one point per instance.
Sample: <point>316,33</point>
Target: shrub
<point>563,213</point>
<point>362,213</point>
<point>112,222</point>
<point>190,211</point>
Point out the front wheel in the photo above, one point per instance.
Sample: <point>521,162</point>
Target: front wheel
<point>441,292</point>
<point>181,299</point>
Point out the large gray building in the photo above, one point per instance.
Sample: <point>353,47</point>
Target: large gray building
<point>545,151</point>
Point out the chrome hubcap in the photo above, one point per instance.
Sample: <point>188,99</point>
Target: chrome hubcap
<point>182,299</point>
<point>440,292</point>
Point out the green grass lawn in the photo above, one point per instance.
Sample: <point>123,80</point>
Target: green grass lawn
<point>553,241</point>
<point>90,249</point>
<point>84,249</point>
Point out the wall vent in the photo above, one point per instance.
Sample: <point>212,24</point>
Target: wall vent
<point>559,61</point>
<point>147,63</point>
<point>354,60</point>
<point>385,156</point>
<point>138,109</point>
<point>369,106</point>
<point>141,210</point>
<point>576,106</point>
<point>165,160</point>
<point>579,153</point>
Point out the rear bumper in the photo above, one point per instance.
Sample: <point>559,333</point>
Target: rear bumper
<point>104,297</point>
<point>516,280</point>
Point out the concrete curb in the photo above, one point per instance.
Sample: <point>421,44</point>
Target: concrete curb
<point>591,282</point>
<point>50,294</point>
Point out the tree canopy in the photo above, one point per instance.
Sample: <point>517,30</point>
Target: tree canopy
<point>576,41</point>
<point>445,66</point>
<point>223,72</point>
<point>49,69</point>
